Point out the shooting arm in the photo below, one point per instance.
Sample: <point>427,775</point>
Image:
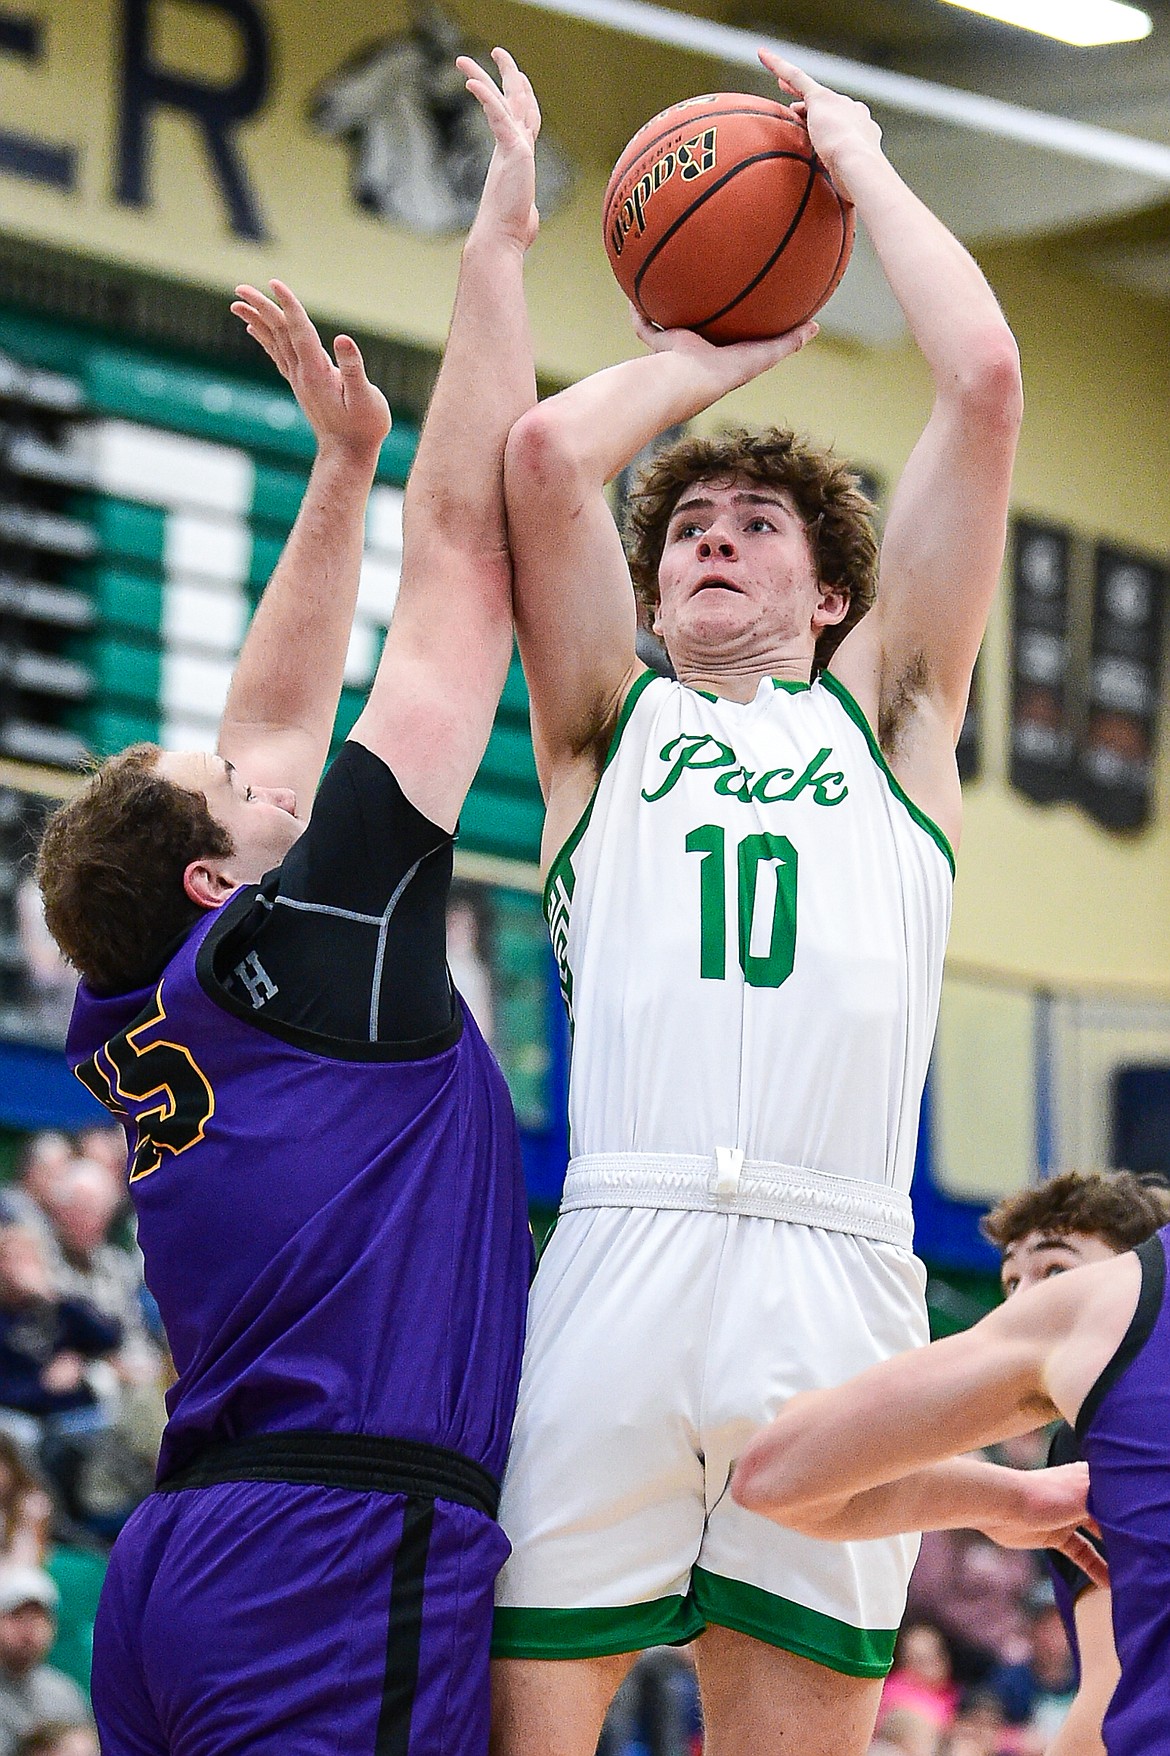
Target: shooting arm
<point>434,698</point>
<point>575,614</point>
<point>945,534</point>
<point>279,715</point>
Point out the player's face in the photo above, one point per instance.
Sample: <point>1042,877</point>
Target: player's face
<point>261,821</point>
<point>737,577</point>
<point>1039,1255</point>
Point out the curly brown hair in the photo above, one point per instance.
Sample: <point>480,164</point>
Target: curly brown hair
<point>110,867</point>
<point>1115,1206</point>
<point>824,490</point>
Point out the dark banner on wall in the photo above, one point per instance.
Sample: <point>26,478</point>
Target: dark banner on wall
<point>969,749</point>
<point>1115,763</point>
<point>1041,731</point>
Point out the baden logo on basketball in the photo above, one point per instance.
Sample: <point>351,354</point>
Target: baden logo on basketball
<point>692,159</point>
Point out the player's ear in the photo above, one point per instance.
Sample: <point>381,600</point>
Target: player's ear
<point>205,885</point>
<point>832,607</point>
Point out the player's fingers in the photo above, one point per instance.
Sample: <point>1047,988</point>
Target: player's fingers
<point>1085,1555</point>
<point>788,73</point>
<point>260,301</point>
<point>645,331</point>
<point>349,358</point>
<point>299,327</point>
<point>518,91</point>
<point>471,69</point>
<point>272,334</point>
<point>263,338</point>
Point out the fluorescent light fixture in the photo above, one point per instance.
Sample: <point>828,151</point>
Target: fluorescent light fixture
<point>876,85</point>
<point>1085,23</point>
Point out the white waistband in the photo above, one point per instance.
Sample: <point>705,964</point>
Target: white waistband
<point>726,1182</point>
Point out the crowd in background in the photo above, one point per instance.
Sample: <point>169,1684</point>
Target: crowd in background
<point>83,1372</point>
<point>982,1667</point>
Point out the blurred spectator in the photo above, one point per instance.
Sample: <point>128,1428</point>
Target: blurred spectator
<point>46,1343</point>
<point>32,1693</point>
<point>46,1159</point>
<point>976,1594</point>
<point>57,1739</point>
<point>45,1340</point>
<point>82,1206</point>
<point>922,1679</point>
<point>105,1143</point>
<point>26,1510</point>
<point>49,981</point>
<point>1040,1691</point>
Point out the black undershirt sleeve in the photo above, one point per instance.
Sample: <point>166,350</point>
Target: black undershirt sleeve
<point>347,938</point>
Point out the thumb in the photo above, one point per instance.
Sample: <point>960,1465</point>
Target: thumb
<point>349,357</point>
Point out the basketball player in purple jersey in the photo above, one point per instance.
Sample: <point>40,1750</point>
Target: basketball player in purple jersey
<point>1093,1347</point>
<point>324,1160</point>
<point>1049,1229</point>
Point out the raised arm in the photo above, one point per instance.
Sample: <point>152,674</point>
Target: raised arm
<point>446,656</point>
<point>280,710</point>
<point>910,661</point>
<point>575,615</point>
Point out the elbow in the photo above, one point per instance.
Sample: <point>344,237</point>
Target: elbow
<point>540,458</point>
<point>990,386</point>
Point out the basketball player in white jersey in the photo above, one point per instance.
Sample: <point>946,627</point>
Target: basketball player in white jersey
<point>749,892</point>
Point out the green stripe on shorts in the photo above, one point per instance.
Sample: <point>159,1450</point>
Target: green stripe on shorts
<point>525,1633</point>
<point>858,1652</point>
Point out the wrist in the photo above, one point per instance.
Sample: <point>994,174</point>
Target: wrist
<point>352,457</point>
<point>491,238</point>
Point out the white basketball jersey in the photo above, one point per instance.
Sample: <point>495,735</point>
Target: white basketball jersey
<point>749,922</point>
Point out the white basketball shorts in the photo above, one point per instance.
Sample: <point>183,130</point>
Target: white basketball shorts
<point>658,1344</point>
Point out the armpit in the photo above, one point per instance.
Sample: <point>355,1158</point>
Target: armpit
<point>901,694</point>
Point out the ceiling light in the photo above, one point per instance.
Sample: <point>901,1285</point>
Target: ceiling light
<point>1086,23</point>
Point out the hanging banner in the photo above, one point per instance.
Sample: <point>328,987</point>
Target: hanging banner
<point>1042,745</point>
<point>1116,758</point>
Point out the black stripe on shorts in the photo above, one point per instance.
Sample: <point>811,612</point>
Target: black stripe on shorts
<point>404,1630</point>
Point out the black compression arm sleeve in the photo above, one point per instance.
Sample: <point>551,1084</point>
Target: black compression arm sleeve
<point>347,938</point>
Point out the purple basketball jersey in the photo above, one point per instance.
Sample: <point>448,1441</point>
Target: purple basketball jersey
<point>1124,1434</point>
<point>337,1241</point>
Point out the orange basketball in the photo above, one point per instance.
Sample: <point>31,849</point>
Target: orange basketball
<point>720,217</point>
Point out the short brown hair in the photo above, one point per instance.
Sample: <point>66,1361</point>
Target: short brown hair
<point>824,490</point>
<point>1115,1206</point>
<point>110,867</point>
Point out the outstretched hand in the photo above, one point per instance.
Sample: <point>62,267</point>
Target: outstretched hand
<point>837,125</point>
<point>343,408</point>
<point>1054,1514</point>
<point>513,115</point>
<point>731,363</point>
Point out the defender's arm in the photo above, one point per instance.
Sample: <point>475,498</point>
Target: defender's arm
<point>446,656</point>
<point>1028,1359</point>
<point>280,709</point>
<point>1020,1509</point>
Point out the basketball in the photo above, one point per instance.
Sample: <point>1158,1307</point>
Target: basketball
<point>719,217</point>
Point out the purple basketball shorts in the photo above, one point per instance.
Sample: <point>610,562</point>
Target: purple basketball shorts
<point>303,1621</point>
